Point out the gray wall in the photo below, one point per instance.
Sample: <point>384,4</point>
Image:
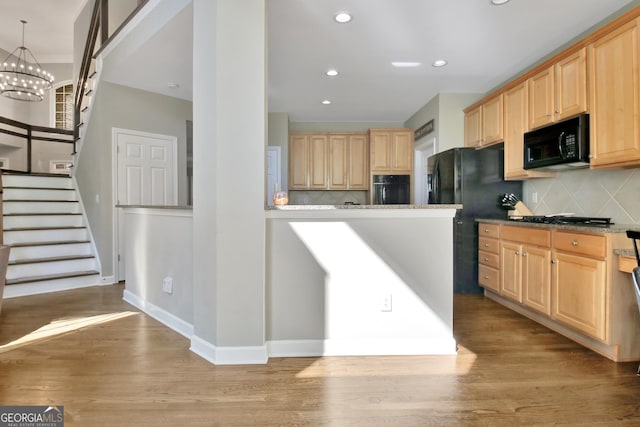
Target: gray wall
<point>126,108</point>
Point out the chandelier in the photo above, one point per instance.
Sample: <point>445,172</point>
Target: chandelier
<point>22,77</point>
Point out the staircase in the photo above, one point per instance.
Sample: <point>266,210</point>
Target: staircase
<point>51,246</point>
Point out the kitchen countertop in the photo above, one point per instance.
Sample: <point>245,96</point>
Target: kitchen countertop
<point>613,228</point>
<point>156,206</point>
<point>331,207</point>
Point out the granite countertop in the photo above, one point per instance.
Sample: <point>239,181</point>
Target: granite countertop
<point>613,228</point>
<point>331,207</point>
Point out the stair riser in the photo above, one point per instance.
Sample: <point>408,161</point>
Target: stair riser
<point>43,221</point>
<point>42,207</point>
<point>29,252</point>
<point>36,181</point>
<point>55,267</point>
<point>37,194</point>
<point>45,286</point>
<point>11,237</point>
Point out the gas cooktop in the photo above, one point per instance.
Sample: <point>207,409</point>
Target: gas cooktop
<point>566,219</point>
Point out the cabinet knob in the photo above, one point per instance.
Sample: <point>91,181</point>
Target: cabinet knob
<point>557,111</point>
<point>486,277</point>
<point>486,259</point>
<point>574,243</point>
<point>553,261</point>
<point>517,253</point>
<point>486,245</point>
<point>524,254</point>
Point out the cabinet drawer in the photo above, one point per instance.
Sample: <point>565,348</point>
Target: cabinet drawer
<point>532,236</point>
<point>489,259</point>
<point>489,245</point>
<point>593,245</point>
<point>488,277</point>
<point>489,230</point>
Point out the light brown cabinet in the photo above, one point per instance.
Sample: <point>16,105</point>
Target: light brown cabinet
<point>489,256</point>
<point>580,282</point>
<point>559,91</point>
<point>391,150</point>
<point>484,124</point>
<point>615,97</point>
<point>328,161</point>
<point>516,123</point>
<point>564,280</point>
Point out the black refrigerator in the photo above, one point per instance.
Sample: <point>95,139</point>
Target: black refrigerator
<point>474,179</point>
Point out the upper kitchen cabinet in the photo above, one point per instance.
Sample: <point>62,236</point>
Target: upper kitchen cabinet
<point>483,125</point>
<point>615,97</point>
<point>391,150</point>
<point>559,91</point>
<point>328,161</point>
<point>516,123</point>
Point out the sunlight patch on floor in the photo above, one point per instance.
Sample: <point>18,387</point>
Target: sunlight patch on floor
<point>63,326</point>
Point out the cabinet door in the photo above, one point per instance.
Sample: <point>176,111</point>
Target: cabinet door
<point>492,113</point>
<point>358,162</point>
<point>571,85</point>
<point>615,97</point>
<point>516,123</point>
<point>380,146</point>
<point>298,162</point>
<point>579,293</point>
<point>473,127</point>
<point>318,157</point>
<point>511,271</point>
<point>536,279</point>
<point>541,98</point>
<point>338,157</point>
<point>402,151</point>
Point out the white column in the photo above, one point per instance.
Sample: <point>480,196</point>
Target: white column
<point>229,137</point>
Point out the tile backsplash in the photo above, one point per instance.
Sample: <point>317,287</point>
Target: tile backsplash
<point>612,193</point>
<point>327,197</point>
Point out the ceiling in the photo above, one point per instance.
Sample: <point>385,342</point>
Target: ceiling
<point>484,45</point>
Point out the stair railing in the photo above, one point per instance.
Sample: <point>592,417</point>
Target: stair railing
<point>99,25</point>
<point>18,142</point>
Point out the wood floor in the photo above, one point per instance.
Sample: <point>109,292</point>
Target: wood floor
<point>110,365</point>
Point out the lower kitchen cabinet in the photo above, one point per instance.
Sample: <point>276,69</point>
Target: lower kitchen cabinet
<point>565,280</point>
<point>580,298</point>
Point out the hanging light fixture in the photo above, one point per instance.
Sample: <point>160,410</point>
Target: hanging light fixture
<point>22,77</point>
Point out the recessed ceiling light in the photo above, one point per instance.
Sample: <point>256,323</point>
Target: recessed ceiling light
<point>498,2</point>
<point>404,64</point>
<point>439,63</point>
<point>332,73</point>
<point>326,102</point>
<point>343,17</point>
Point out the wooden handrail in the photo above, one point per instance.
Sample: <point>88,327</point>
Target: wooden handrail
<point>26,131</point>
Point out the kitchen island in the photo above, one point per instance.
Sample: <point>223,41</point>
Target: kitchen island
<point>359,280</point>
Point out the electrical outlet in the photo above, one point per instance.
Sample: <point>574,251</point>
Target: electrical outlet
<point>167,285</point>
<point>385,303</point>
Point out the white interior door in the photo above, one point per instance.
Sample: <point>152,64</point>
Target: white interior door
<point>424,148</point>
<point>146,175</point>
<point>273,172</point>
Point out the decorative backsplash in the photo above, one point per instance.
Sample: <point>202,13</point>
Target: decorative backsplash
<point>327,197</point>
<point>612,193</point>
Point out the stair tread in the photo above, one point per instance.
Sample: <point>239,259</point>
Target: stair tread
<point>49,259</point>
<point>48,243</point>
<point>42,214</point>
<point>38,201</point>
<point>21,280</point>
<point>40,174</point>
<point>66,227</point>
<point>17,187</point>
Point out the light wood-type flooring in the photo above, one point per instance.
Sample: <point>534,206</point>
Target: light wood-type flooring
<point>110,365</point>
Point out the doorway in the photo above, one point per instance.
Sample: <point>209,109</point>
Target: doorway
<point>425,147</point>
<point>145,174</point>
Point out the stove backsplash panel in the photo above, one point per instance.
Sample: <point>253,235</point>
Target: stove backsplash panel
<point>612,193</point>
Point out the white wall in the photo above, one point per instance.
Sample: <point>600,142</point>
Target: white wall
<point>278,136</point>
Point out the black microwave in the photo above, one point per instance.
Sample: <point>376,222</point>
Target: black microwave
<point>562,145</point>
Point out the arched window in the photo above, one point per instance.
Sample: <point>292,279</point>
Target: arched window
<point>64,107</point>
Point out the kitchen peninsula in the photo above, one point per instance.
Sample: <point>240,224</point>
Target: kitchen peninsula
<point>359,279</point>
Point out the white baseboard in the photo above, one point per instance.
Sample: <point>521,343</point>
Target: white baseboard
<point>253,355</point>
<point>180,326</point>
<point>362,347</point>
